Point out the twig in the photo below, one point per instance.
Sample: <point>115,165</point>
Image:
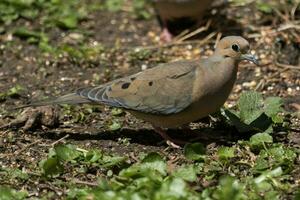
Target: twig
<point>295,130</point>
<point>282,16</point>
<point>193,33</point>
<point>288,26</point>
<point>27,146</point>
<point>181,40</point>
<point>287,66</point>
<point>20,151</point>
<point>201,42</point>
<point>181,35</point>
<point>59,140</point>
<point>219,35</point>
<point>295,105</point>
<point>293,11</point>
<point>242,3</point>
<point>94,184</point>
<point>263,81</point>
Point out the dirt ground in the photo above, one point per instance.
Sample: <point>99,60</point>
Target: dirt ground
<point>275,43</point>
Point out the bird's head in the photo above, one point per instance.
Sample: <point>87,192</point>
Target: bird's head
<point>235,47</point>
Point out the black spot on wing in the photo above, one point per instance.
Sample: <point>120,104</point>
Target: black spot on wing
<point>150,83</point>
<point>125,85</point>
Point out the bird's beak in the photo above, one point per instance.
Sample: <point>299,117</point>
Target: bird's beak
<point>250,58</point>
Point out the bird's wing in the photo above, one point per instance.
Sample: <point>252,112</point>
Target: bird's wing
<point>165,89</point>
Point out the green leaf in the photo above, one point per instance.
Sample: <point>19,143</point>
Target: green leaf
<point>25,33</point>
<point>139,9</point>
<point>117,111</point>
<point>154,161</point>
<point>194,151</point>
<point>297,194</point>
<point>12,92</point>
<point>15,91</point>
<point>114,5</point>
<point>278,119</point>
<point>68,22</point>
<point>255,115</point>
<point>17,173</point>
<point>186,172</point>
<point>250,105</point>
<point>29,14</point>
<point>261,164</point>
<point>234,120</point>
<point>51,166</point>
<point>22,3</point>
<point>258,140</point>
<point>280,155</point>
<point>7,193</point>
<point>110,161</point>
<point>229,189</point>
<point>93,156</point>
<point>66,152</point>
<point>115,125</point>
<point>273,105</point>
<point>269,174</point>
<point>225,153</point>
<point>172,189</point>
<point>276,156</point>
<point>264,7</point>
<point>152,166</point>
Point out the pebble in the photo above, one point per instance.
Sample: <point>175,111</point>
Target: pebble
<point>237,88</point>
<point>262,56</point>
<point>151,34</point>
<point>257,72</point>
<point>249,84</point>
<point>144,67</point>
<point>270,88</point>
<point>189,47</point>
<point>113,22</point>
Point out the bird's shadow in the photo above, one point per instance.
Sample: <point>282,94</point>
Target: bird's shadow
<point>151,138</point>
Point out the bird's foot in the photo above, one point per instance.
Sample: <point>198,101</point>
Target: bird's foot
<point>166,36</point>
<point>170,141</point>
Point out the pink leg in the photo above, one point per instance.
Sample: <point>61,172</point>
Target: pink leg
<point>165,35</point>
<point>170,141</point>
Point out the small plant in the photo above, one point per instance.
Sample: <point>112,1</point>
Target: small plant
<point>255,114</point>
<point>60,155</point>
<point>12,92</point>
<point>7,193</point>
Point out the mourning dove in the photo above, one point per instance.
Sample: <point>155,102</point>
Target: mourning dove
<point>171,94</point>
<point>176,16</point>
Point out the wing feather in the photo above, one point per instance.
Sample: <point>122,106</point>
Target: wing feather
<point>164,90</point>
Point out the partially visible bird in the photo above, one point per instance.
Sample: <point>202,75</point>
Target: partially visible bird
<point>176,16</point>
<point>171,94</point>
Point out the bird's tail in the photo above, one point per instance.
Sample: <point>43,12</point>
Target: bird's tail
<point>71,98</point>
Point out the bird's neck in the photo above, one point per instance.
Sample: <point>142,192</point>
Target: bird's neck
<point>223,71</point>
<point>224,65</point>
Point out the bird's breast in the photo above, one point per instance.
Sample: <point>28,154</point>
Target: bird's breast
<point>197,110</point>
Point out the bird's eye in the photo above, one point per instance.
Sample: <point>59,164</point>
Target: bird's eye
<point>235,47</point>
